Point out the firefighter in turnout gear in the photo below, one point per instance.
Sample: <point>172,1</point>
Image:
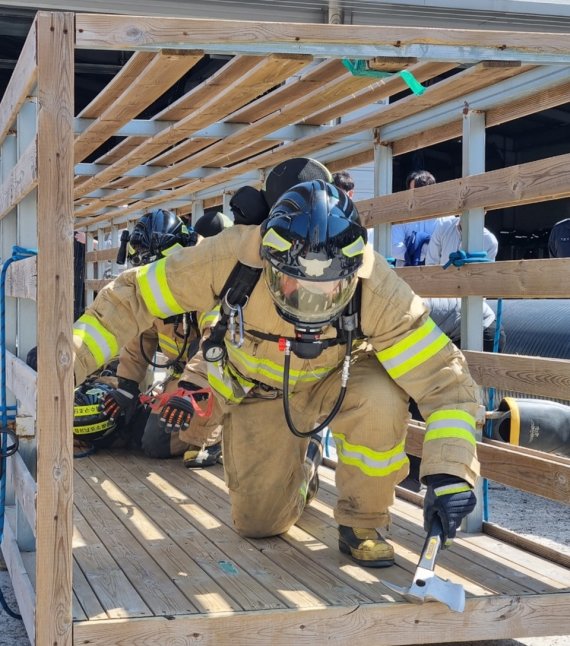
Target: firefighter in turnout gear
<point>156,235</point>
<point>328,335</point>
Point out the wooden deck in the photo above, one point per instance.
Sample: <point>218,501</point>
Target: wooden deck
<point>156,561</point>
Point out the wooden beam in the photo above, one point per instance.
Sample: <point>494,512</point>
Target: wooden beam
<point>21,181</point>
<point>538,181</point>
<point>21,278</point>
<point>25,489</point>
<point>520,374</point>
<point>102,255</point>
<point>96,31</point>
<point>490,617</point>
<point>21,583</point>
<point>165,69</point>
<point>97,284</point>
<point>542,474</point>
<point>20,84</point>
<point>54,416</point>
<point>22,381</point>
<point>504,279</point>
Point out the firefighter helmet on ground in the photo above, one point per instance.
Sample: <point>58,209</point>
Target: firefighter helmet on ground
<point>312,247</point>
<point>157,234</point>
<point>90,424</point>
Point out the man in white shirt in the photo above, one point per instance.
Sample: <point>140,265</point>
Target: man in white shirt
<point>410,239</point>
<point>446,239</point>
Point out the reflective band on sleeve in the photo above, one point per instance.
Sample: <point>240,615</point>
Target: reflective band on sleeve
<point>372,463</point>
<point>415,349</point>
<point>155,290</point>
<point>450,423</point>
<point>167,344</point>
<point>447,490</point>
<point>99,341</point>
<point>208,319</point>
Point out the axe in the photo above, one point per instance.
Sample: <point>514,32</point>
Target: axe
<point>426,585</point>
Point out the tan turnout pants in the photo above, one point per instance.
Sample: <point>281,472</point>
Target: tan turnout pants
<point>263,460</point>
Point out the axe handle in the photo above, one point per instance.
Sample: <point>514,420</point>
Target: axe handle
<point>431,544</point>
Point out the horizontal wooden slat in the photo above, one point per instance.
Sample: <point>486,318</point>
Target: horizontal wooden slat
<point>102,255</point>
<point>21,583</point>
<point>21,381</point>
<point>521,374</point>
<point>532,471</point>
<point>505,279</point>
<point>546,179</point>
<point>128,32</point>
<point>22,278</point>
<point>159,75</point>
<point>25,489</point>
<point>97,285</point>
<point>21,83</point>
<point>22,179</point>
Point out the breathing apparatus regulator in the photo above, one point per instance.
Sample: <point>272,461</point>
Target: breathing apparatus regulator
<point>312,247</point>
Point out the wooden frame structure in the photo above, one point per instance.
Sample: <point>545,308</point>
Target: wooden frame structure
<point>275,98</point>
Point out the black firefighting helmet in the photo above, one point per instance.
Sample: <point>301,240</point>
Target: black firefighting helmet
<point>90,424</point>
<point>312,247</point>
<point>157,234</point>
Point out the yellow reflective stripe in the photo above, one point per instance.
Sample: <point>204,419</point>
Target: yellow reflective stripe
<point>271,370</point>
<point>221,387</point>
<point>84,411</point>
<point>99,341</point>
<point>92,428</point>
<point>415,349</point>
<point>155,291</point>
<point>273,239</point>
<point>372,463</point>
<point>175,247</point>
<point>208,319</point>
<point>354,248</point>
<point>166,343</point>
<point>447,490</point>
<point>450,423</point>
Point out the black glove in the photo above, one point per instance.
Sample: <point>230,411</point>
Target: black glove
<point>176,414</point>
<point>451,498</point>
<point>122,401</point>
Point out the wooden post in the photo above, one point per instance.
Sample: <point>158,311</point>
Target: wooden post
<point>55,33</point>
<point>382,186</point>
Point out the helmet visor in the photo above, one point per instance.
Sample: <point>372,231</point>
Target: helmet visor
<point>309,301</point>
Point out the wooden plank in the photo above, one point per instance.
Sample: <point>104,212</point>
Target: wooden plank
<point>96,31</point>
<point>86,605</point>
<point>21,181</point>
<point>195,98</point>
<point>494,617</point>
<point>97,284</point>
<point>267,73</point>
<point>521,374</point>
<point>127,534</point>
<point>21,584</point>
<point>21,380</point>
<point>204,491</point>
<point>128,74</point>
<point>218,550</point>
<point>537,473</point>
<point>542,180</point>
<point>159,75</point>
<point>107,579</point>
<point>505,279</point>
<point>54,321</point>
<point>20,84</point>
<point>21,278</point>
<point>102,255</point>
<point>25,489</point>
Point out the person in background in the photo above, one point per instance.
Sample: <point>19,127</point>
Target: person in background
<point>559,240</point>
<point>410,239</point>
<point>343,180</point>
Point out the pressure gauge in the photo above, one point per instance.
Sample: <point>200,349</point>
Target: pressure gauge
<point>213,351</point>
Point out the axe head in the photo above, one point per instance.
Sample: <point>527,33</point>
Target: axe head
<point>429,587</point>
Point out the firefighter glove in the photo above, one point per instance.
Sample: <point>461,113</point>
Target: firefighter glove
<point>451,498</point>
<point>179,409</point>
<point>121,402</point>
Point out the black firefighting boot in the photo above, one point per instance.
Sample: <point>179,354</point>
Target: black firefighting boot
<point>198,457</point>
<point>365,546</point>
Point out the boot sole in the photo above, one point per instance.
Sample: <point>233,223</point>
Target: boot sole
<point>345,549</point>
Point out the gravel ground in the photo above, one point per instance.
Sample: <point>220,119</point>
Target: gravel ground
<point>528,515</point>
